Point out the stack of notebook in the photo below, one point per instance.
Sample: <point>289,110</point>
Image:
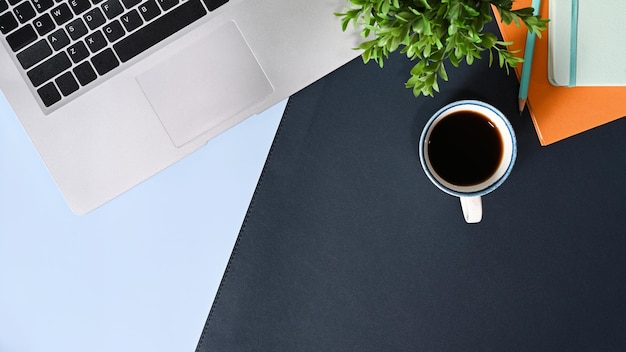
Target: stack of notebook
<point>585,47</point>
<point>557,110</point>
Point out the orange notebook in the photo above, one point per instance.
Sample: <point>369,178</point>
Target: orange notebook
<point>561,112</point>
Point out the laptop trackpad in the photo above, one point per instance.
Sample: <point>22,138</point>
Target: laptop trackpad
<point>206,84</point>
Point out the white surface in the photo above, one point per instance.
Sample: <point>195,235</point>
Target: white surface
<point>139,273</point>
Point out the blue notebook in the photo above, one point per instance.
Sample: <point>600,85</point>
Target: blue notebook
<point>586,45</point>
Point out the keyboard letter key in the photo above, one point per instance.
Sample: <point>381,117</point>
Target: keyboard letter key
<point>95,41</point>
<point>58,39</point>
<point>79,6</point>
<point>113,31</point>
<point>43,24</point>
<point>61,14</point>
<point>161,28</point>
<point>131,20</point>
<point>149,10</point>
<point>112,8</point>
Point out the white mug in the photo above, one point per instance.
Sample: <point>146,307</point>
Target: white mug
<point>468,149</point>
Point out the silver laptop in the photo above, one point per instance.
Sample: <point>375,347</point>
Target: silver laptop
<point>113,91</point>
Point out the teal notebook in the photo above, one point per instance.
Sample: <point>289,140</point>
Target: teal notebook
<point>586,43</point>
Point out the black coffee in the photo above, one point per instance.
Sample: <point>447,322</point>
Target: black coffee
<point>465,148</point>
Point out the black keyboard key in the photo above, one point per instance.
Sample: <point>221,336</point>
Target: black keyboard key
<point>34,54</point>
<point>78,52</point>
<point>67,84</point>
<point>105,61</point>
<point>61,14</point>
<point>167,4</point>
<point>212,5</point>
<point>14,2</point>
<point>42,5</point>
<point>112,8</point>
<point>149,10</point>
<point>44,24</point>
<point>7,23</point>
<point>21,37</point>
<point>79,6</point>
<point>3,5</point>
<point>113,31</point>
<point>160,29</point>
<point>49,94</point>
<point>49,68</point>
<point>76,29</point>
<point>58,39</point>
<point>95,41</point>
<point>94,18</point>
<point>24,12</point>
<point>130,3</point>
<point>131,20</point>
<point>85,73</point>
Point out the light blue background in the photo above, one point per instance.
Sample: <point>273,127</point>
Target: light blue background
<point>139,273</point>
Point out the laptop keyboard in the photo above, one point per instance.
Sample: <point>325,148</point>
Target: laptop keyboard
<point>65,45</point>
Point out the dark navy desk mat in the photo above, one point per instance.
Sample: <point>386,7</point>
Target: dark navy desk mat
<point>347,246</point>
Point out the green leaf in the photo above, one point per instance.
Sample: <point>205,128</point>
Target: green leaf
<point>433,31</point>
<point>470,10</point>
<point>488,40</point>
<point>442,72</point>
<point>425,4</point>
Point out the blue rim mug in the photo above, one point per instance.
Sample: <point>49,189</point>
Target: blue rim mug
<point>470,195</point>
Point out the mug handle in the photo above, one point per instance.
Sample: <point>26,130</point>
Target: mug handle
<point>472,209</point>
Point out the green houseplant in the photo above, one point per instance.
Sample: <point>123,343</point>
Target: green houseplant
<point>433,32</point>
